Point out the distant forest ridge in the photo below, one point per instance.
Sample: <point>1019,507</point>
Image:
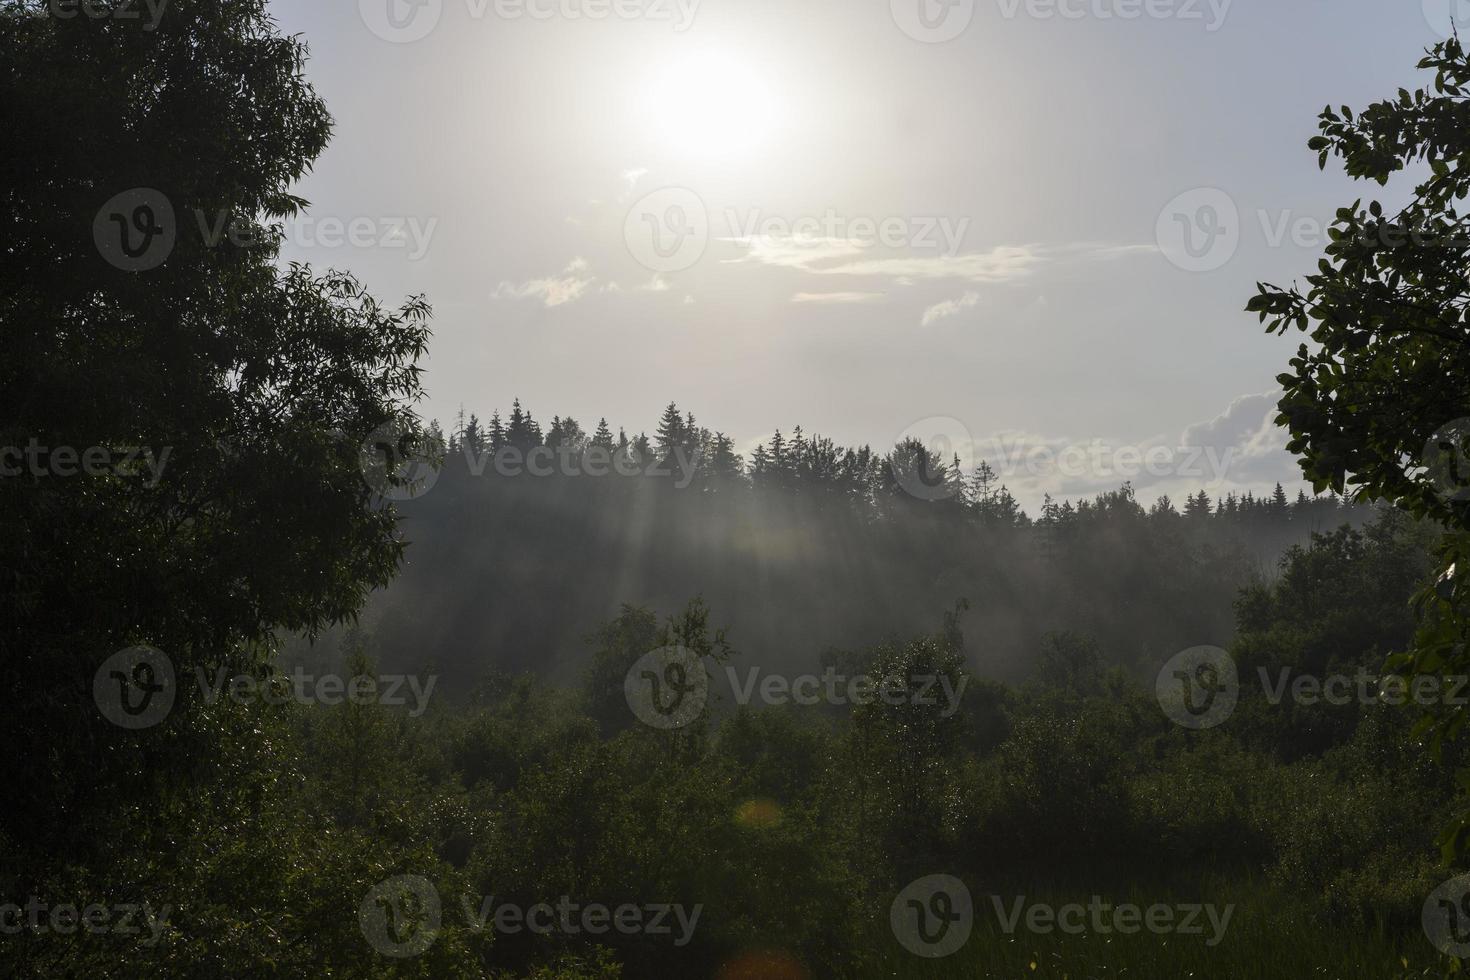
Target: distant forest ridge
<point>805,548</point>
<point>689,454</point>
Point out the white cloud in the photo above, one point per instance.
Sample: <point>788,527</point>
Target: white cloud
<point>949,307</point>
<point>795,252</point>
<point>1248,428</point>
<point>1240,450</point>
<point>1003,263</point>
<point>567,287</point>
<point>846,257</point>
<point>835,298</point>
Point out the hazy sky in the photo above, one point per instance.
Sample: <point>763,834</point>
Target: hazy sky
<point>866,217</point>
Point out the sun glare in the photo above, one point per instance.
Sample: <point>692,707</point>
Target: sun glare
<point>713,106</point>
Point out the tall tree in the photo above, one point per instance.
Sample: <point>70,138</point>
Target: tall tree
<point>1379,405</point>
<point>256,386</point>
<point>603,437</point>
<point>496,432</point>
<point>671,431</point>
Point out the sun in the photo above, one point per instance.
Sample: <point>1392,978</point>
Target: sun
<point>710,106</point>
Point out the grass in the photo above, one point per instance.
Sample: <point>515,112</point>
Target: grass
<point>1270,934</point>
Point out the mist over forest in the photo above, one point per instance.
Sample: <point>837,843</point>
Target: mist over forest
<point>803,548</point>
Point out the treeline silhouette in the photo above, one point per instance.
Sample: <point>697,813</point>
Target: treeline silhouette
<point>805,545</point>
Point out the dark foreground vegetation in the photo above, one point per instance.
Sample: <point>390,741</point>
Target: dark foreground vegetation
<point>174,810</point>
<point>792,829</point>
